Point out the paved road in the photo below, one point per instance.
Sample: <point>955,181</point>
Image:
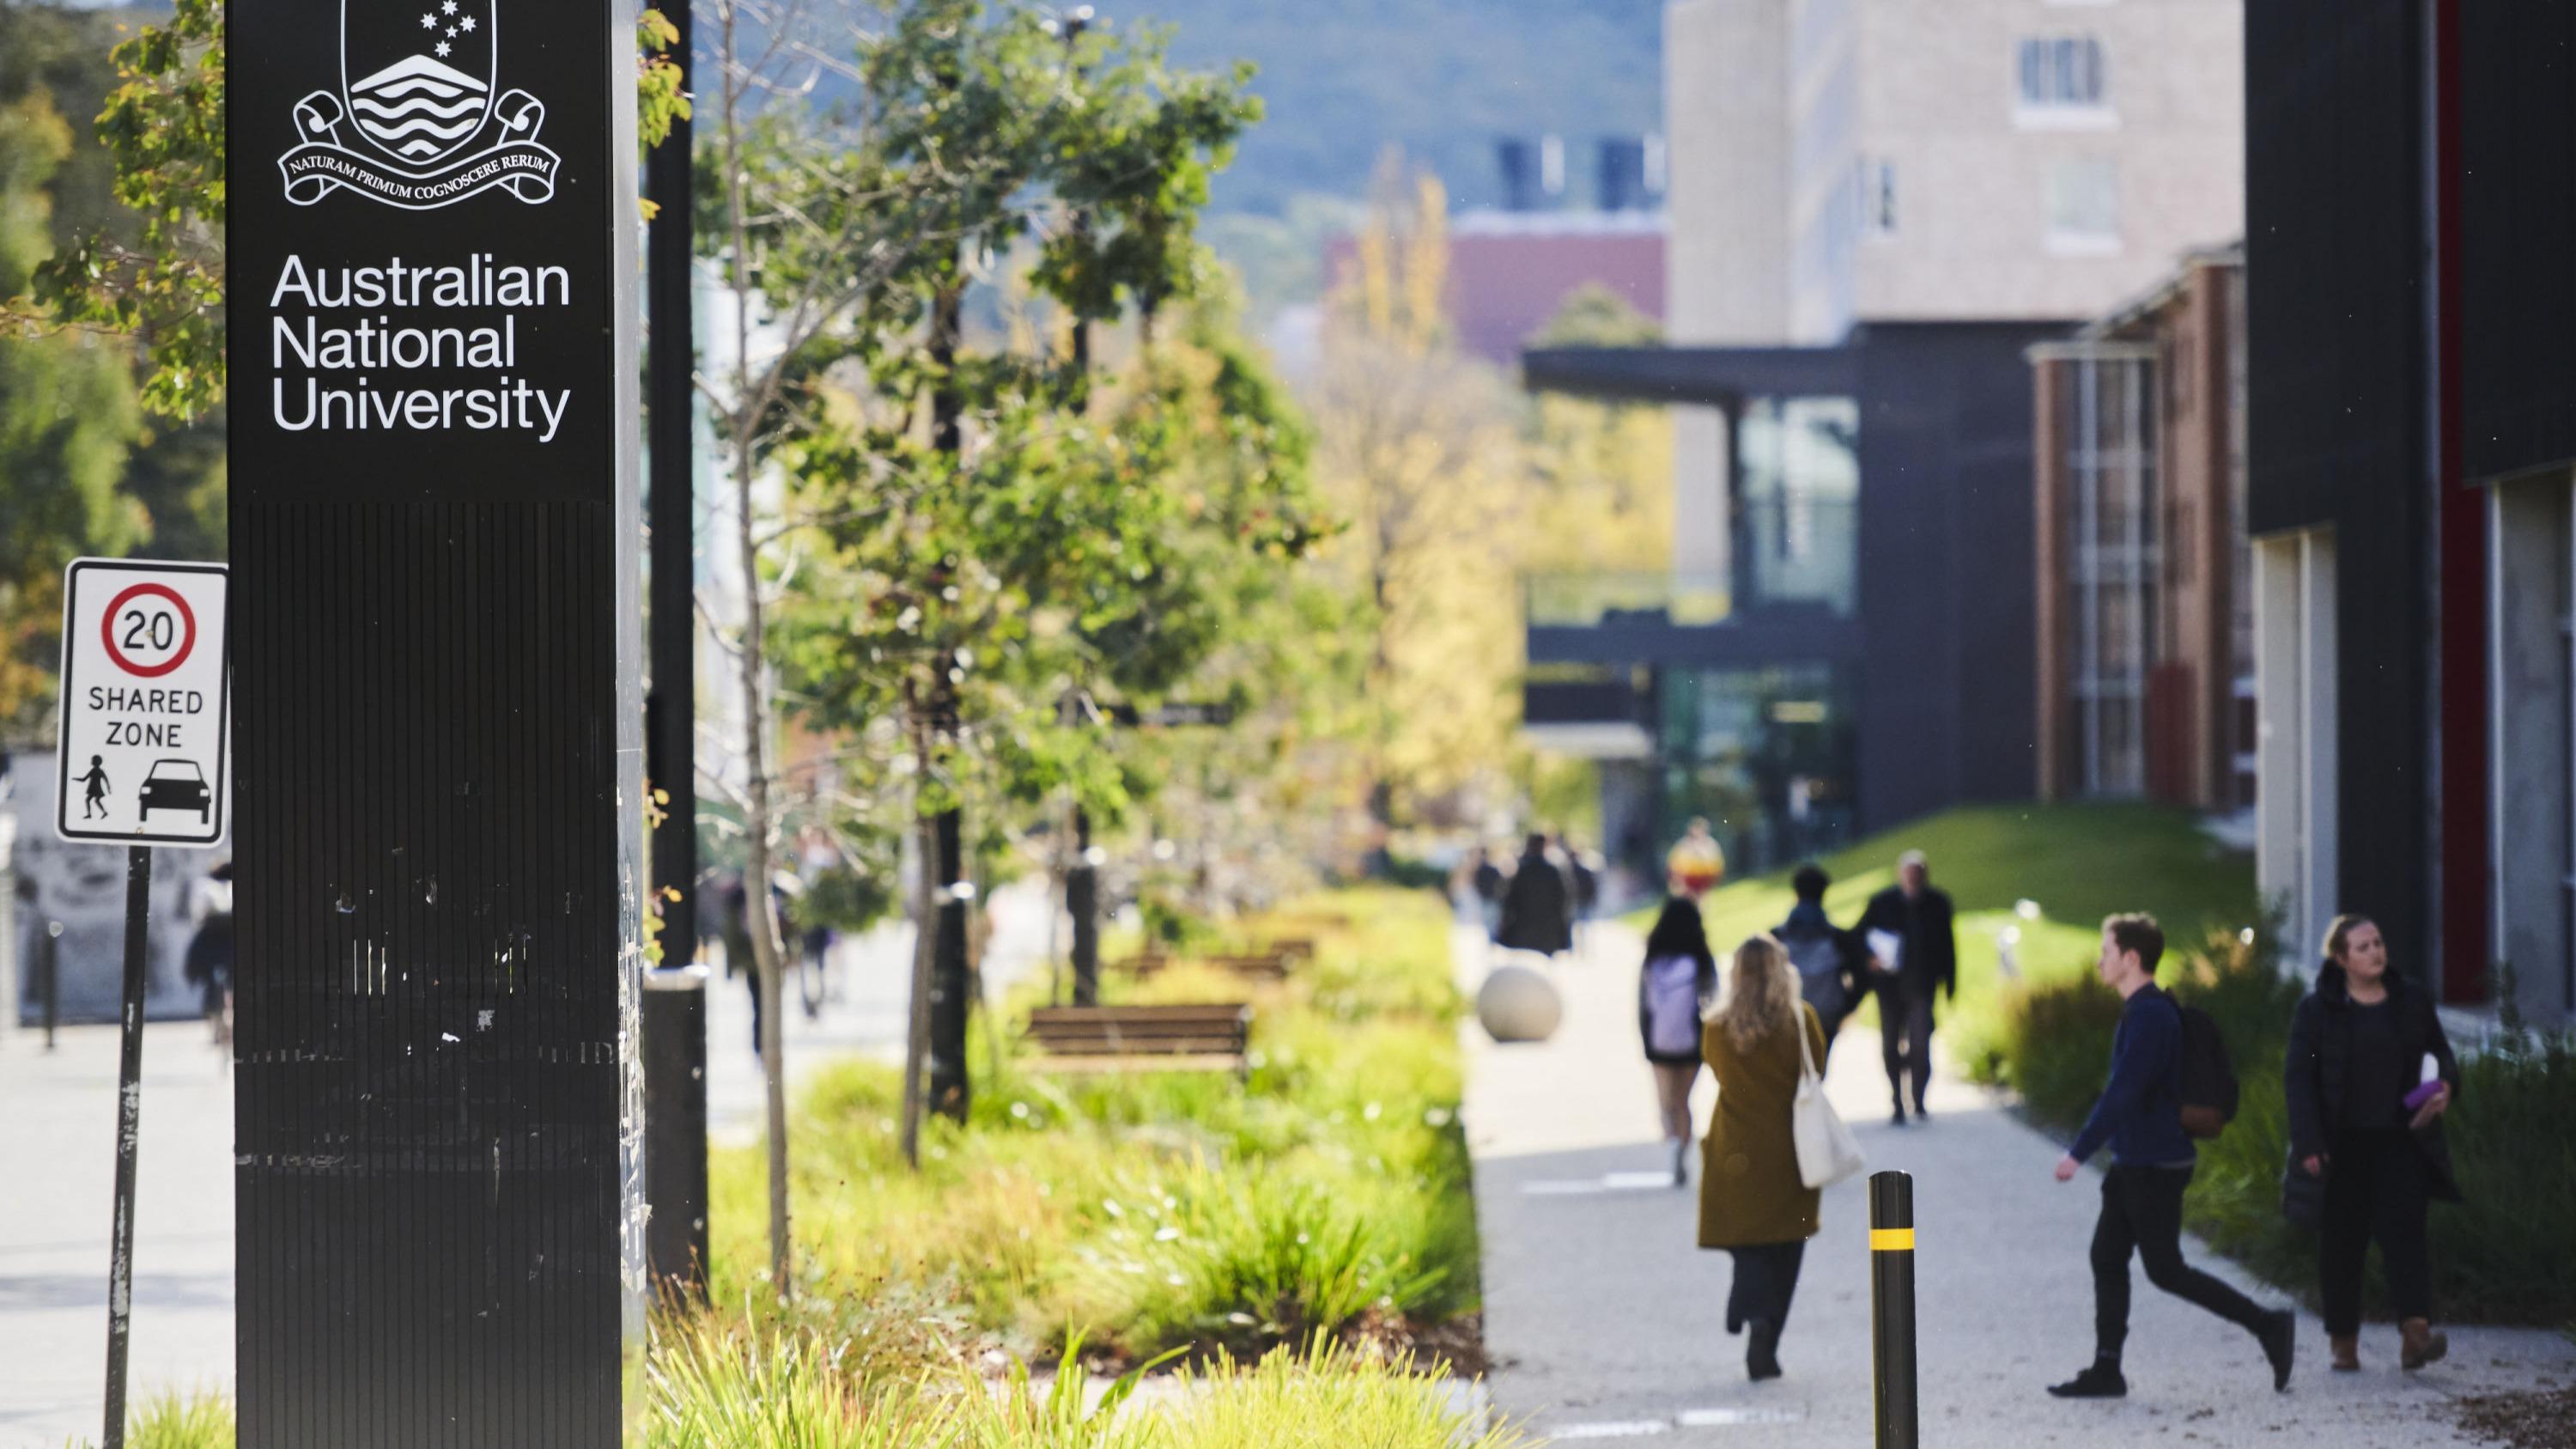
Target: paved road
<point>57,1167</point>
<point>1606,1322</point>
<point>57,1176</point>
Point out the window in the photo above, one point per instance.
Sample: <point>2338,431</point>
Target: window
<point>2083,206</point>
<point>2063,79</point>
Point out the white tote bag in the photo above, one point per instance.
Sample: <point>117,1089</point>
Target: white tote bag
<point>1826,1152</point>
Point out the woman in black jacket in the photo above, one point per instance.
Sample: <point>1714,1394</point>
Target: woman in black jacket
<point>1538,909</point>
<point>2364,1161</point>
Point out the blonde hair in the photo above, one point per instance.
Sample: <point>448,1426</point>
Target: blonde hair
<point>1761,995</point>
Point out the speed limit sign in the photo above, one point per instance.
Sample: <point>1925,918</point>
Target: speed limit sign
<point>145,741</point>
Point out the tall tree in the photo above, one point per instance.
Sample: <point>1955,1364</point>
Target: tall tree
<point>991,540</point>
<point>67,423</point>
<point>1420,448</point>
<point>947,503</point>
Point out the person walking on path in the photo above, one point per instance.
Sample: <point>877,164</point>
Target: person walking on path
<point>1827,957</point>
<point>1696,863</point>
<point>1490,883</point>
<point>1752,1201</point>
<point>2370,1075</point>
<point>208,964</point>
<point>1537,907</point>
<point>1674,990</point>
<point>1583,882</point>
<point>1908,929</point>
<point>2139,1116</point>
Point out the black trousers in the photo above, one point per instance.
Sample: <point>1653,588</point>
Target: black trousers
<point>2377,1187</point>
<point>2142,1214</point>
<point>1766,1279</point>
<point>1905,1034</point>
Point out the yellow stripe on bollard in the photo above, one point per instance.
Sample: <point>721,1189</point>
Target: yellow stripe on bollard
<point>1891,1240</point>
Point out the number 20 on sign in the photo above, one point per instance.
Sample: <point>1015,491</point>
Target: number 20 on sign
<point>146,714</point>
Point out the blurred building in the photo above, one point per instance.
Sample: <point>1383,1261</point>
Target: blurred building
<point>1512,267</point>
<point>1877,207</point>
<point>2411,184</point>
<point>2145,616</point>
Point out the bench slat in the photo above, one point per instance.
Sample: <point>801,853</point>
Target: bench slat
<point>1106,1065</point>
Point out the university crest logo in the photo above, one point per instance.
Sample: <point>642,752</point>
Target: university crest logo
<point>415,123</point>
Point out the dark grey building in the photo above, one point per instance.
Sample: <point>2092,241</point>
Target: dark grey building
<point>2411,210</point>
<point>1866,655</point>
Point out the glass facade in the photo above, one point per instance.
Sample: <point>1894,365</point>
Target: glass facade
<point>1767,754</point>
<point>2107,422</point>
<point>1796,505</point>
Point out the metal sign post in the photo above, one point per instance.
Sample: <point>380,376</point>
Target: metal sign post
<point>144,734</point>
<point>129,1121</point>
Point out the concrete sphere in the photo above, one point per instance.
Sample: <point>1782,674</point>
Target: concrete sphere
<point>1517,1003</point>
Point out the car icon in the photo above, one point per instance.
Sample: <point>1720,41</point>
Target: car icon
<point>176,785</point>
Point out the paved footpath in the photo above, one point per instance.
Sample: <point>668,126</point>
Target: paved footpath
<point>1605,1321</point>
<point>57,1175</point>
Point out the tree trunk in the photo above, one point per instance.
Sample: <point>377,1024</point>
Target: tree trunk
<point>916,1042</point>
<point>757,813</point>
<point>1082,900</point>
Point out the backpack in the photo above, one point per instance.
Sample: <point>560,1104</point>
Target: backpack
<point>1819,960</point>
<point>1672,1005</point>
<point>2208,1077</point>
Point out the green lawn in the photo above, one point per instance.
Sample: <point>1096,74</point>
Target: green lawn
<point>2077,863</point>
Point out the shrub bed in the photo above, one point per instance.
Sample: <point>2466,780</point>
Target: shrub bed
<point>1143,1213</point>
<point>2499,1256</point>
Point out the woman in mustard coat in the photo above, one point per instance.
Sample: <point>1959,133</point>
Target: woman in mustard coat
<point>1752,1202</point>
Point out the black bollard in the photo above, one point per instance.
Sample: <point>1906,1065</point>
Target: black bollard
<point>1891,1294</point>
<point>675,1130</point>
<point>49,960</point>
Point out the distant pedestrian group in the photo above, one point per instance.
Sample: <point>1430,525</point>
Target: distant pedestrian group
<point>2369,1077</point>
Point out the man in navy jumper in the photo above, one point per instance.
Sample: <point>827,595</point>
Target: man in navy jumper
<point>2140,1117</point>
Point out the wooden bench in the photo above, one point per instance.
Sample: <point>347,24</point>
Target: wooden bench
<point>1272,964</point>
<point>1213,1037</point>
<point>1256,966</point>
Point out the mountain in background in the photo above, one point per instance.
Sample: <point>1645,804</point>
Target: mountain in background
<point>1441,79</point>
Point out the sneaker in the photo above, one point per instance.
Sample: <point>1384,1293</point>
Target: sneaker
<point>2098,1381</point>
<point>2280,1336</point>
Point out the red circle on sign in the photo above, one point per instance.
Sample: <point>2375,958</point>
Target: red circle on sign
<point>187,636</point>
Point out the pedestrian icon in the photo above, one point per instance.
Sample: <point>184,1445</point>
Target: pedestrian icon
<point>94,790</point>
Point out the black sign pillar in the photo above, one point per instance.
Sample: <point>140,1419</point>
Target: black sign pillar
<point>675,1018</point>
<point>438,774</point>
<point>675,1129</point>
<point>672,750</point>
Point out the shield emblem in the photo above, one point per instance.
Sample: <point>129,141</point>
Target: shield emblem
<point>418,74</point>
